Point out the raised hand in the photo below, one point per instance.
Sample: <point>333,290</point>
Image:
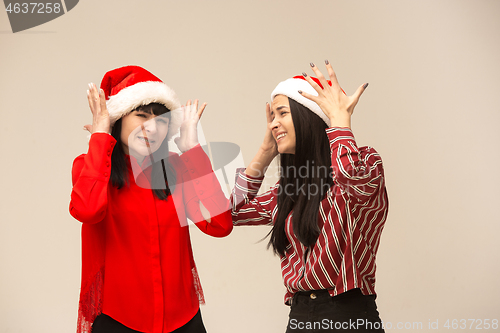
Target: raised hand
<point>269,145</point>
<point>100,115</point>
<point>331,99</point>
<point>188,132</point>
<point>267,151</point>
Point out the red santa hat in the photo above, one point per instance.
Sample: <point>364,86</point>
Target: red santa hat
<point>127,88</point>
<point>291,87</point>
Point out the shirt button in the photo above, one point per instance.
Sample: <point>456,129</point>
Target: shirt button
<point>192,171</point>
<point>107,164</point>
<point>313,296</point>
<point>105,174</point>
<point>196,181</point>
<point>187,159</point>
<point>201,192</point>
<point>109,153</point>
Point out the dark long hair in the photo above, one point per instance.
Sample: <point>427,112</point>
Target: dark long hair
<point>305,177</point>
<point>163,175</point>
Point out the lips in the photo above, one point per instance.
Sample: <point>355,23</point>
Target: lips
<point>146,140</point>
<point>280,136</point>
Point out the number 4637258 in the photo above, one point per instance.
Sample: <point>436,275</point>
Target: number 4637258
<point>33,8</point>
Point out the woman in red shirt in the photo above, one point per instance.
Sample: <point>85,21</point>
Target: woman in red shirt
<point>134,197</point>
<point>327,210</point>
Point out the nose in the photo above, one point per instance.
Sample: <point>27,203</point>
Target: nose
<point>150,126</point>
<point>274,124</point>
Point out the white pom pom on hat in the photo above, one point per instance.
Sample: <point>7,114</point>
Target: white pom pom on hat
<point>127,88</point>
<point>291,87</point>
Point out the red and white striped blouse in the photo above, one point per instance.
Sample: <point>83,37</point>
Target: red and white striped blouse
<point>352,214</point>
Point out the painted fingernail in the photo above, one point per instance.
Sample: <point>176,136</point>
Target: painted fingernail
<point>304,74</point>
<point>312,65</point>
<point>365,85</point>
<point>326,62</point>
<point>300,92</point>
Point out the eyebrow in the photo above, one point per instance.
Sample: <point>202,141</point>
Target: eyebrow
<point>279,108</point>
<point>142,111</point>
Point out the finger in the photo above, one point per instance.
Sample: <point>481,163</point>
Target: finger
<point>313,98</point>
<point>313,83</point>
<point>268,113</point>
<point>333,76</point>
<point>319,75</point>
<point>359,91</point>
<point>188,110</point>
<point>88,128</point>
<point>102,99</point>
<point>194,108</point>
<point>94,94</point>
<point>201,110</point>
<point>89,99</point>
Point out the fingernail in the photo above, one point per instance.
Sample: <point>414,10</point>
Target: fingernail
<point>304,74</point>
<point>326,62</point>
<point>312,65</point>
<point>300,92</point>
<point>365,85</point>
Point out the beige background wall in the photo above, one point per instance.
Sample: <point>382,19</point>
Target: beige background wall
<point>431,110</point>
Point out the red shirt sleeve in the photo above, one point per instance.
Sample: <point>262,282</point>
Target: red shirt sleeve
<point>201,185</point>
<point>358,171</point>
<point>90,174</point>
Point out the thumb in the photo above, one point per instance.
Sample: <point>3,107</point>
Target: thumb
<point>88,128</point>
<point>360,90</point>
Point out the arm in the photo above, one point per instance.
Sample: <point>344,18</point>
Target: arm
<point>91,172</point>
<point>358,171</point>
<point>247,207</point>
<point>205,202</point>
<point>90,175</point>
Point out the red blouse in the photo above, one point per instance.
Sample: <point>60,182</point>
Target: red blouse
<point>137,261</point>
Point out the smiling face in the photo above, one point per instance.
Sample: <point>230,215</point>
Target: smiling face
<point>282,125</point>
<point>143,133</point>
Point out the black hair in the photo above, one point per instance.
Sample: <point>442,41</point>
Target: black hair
<point>163,176</point>
<point>298,192</point>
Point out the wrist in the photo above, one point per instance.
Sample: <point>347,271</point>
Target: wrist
<point>342,122</point>
<point>267,154</point>
<point>101,132</point>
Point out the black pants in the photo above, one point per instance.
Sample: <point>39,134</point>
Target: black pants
<point>105,324</point>
<point>317,311</point>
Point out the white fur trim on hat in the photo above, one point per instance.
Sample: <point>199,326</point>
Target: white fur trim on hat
<point>143,93</point>
<point>291,87</point>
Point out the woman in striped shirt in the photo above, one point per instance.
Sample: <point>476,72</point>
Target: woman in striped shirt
<point>327,210</point>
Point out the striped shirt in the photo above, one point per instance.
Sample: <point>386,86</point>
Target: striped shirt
<point>352,215</point>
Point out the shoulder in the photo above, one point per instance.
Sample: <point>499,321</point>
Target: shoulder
<point>78,161</point>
